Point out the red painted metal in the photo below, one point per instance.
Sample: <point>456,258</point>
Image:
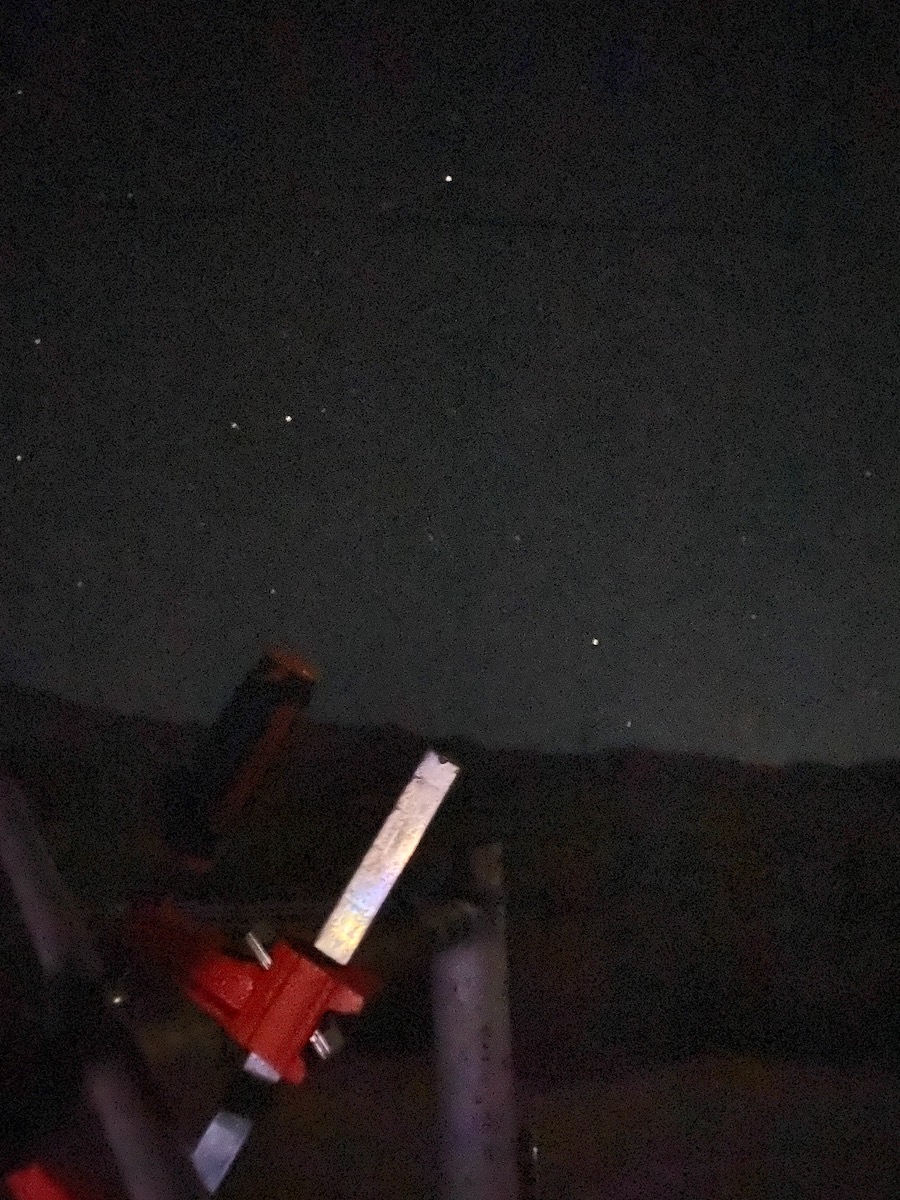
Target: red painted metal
<point>278,668</point>
<point>269,1011</point>
<point>36,1182</point>
<point>242,750</point>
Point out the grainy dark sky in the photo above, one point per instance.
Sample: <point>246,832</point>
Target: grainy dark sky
<point>533,369</point>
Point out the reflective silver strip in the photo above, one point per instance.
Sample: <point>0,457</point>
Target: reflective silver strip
<point>386,857</point>
<point>219,1147</point>
<point>254,1065</point>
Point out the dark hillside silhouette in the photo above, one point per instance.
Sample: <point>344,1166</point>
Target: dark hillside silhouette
<point>668,904</point>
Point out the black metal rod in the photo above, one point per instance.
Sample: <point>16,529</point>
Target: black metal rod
<point>150,1164</point>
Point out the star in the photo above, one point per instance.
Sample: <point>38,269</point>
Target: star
<point>639,528</point>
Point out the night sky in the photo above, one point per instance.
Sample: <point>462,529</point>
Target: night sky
<point>533,370</point>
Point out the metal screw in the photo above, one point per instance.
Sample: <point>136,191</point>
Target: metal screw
<point>258,941</point>
<point>327,1041</point>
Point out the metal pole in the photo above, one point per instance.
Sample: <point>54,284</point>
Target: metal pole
<point>149,1162</point>
<point>470,999</point>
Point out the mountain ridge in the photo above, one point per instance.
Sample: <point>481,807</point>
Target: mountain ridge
<point>675,900</point>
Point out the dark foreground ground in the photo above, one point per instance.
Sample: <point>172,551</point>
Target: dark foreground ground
<point>708,1128</point>
<point>704,961</point>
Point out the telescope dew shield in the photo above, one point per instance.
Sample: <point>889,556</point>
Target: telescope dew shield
<point>240,751</point>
